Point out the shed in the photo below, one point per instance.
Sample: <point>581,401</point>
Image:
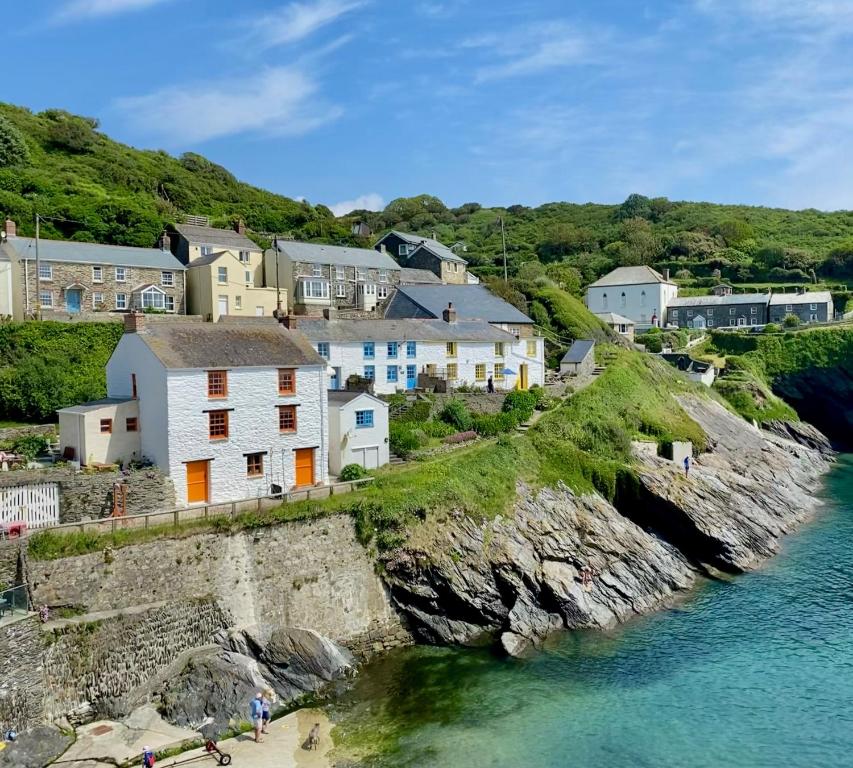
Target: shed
<point>358,430</point>
<point>580,358</point>
<point>101,432</point>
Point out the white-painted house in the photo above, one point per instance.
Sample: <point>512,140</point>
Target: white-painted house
<point>394,352</point>
<point>229,412</point>
<point>358,430</point>
<point>638,293</point>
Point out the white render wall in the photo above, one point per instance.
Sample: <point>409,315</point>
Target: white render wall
<point>349,357</point>
<point>345,438</point>
<point>636,307</point>
<point>253,428</point>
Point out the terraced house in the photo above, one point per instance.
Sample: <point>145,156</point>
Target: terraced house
<point>734,310</point>
<point>72,278</point>
<point>807,307</point>
<point>417,252</point>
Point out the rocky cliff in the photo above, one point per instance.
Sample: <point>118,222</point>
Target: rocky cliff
<point>563,560</point>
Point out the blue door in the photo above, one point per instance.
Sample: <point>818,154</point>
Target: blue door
<point>336,377</point>
<point>73,299</point>
<point>411,376</point>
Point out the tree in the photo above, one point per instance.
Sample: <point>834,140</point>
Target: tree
<point>635,207</point>
<point>562,240</point>
<point>734,232</point>
<point>640,244</point>
<point>13,148</point>
<point>566,277</point>
<point>71,133</point>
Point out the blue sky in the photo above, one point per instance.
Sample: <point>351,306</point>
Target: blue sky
<point>501,102</point>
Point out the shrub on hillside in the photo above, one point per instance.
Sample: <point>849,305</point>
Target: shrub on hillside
<point>494,424</point>
<point>30,446</point>
<point>651,342</point>
<point>772,328</point>
<point>403,439</point>
<point>353,472</point>
<point>13,148</point>
<point>435,428</point>
<point>791,321</point>
<point>456,413</point>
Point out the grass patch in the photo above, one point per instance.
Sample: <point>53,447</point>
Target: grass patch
<point>570,317</point>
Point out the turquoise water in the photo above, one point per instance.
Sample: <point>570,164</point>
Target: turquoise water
<point>755,672</point>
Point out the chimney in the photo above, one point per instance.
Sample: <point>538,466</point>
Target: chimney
<point>11,228</point>
<point>289,321</point>
<point>240,227</point>
<point>330,313</point>
<point>666,274</point>
<point>449,314</point>
<point>165,242</point>
<point>382,248</point>
<point>134,322</point>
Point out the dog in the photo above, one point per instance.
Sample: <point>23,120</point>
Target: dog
<point>314,737</point>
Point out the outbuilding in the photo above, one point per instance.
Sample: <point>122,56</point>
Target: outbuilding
<point>101,432</point>
<point>579,359</point>
<point>358,430</point>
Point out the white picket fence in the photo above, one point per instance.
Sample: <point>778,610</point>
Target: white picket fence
<point>37,504</point>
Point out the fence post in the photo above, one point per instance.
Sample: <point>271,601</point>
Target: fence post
<point>176,514</point>
<point>146,522</point>
<point>233,509</point>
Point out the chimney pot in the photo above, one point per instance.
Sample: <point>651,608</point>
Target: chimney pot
<point>289,321</point>
<point>330,313</point>
<point>666,274</point>
<point>11,229</point>
<point>134,322</point>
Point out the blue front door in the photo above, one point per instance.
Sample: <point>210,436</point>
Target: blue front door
<point>73,299</point>
<point>411,376</point>
<point>334,382</point>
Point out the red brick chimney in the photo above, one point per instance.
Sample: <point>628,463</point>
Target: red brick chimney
<point>134,322</point>
<point>11,229</point>
<point>289,321</point>
<point>449,314</point>
<point>240,227</point>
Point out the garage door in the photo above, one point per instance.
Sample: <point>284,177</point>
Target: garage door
<point>367,457</point>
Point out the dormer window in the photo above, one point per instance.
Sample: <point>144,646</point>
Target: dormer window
<point>317,270</point>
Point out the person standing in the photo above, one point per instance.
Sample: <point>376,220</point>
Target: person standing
<point>686,466</point>
<point>490,386</point>
<point>267,701</point>
<point>147,757</point>
<point>256,712</point>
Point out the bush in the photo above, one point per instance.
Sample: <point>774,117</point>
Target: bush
<point>436,429</point>
<point>791,321</point>
<point>652,343</point>
<point>420,411</point>
<point>30,446</point>
<point>772,328</point>
<point>353,472</point>
<point>456,413</point>
<point>13,148</point>
<point>494,424</point>
<point>402,439</point>
<point>521,401</point>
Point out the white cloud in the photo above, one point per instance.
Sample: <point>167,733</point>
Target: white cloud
<point>369,202</point>
<point>826,16</point>
<point>80,9</point>
<point>296,21</point>
<point>277,101</point>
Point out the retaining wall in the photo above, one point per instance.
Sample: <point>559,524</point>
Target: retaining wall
<point>21,675</point>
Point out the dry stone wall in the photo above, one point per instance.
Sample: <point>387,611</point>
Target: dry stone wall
<point>21,675</point>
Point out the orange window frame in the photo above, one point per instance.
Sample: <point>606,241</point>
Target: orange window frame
<point>287,418</point>
<point>287,381</point>
<point>217,425</point>
<point>217,384</point>
<point>254,465</point>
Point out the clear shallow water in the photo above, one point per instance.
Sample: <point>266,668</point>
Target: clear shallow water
<point>756,672</point>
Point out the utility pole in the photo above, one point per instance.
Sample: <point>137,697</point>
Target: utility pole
<point>277,282</point>
<point>503,239</point>
<point>38,270</point>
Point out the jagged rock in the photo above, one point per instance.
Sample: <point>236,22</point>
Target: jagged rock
<point>513,644</point>
<point>35,748</point>
<point>802,433</point>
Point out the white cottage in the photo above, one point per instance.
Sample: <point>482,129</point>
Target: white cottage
<point>229,412</point>
<point>358,430</point>
<point>639,293</point>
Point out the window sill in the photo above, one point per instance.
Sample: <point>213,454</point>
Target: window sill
<point>286,394</point>
<point>287,431</point>
<point>218,439</point>
<point>254,477</point>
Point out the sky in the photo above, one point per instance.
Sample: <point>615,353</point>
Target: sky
<point>353,103</point>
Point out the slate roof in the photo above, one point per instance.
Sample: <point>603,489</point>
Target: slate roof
<point>411,276</point>
<point>578,351</point>
<point>223,238</point>
<point>214,345</point>
<point>316,253</point>
<point>342,397</point>
<point>439,249</point>
<point>472,302</point>
<point>402,330</point>
<point>815,297</point>
<point>94,253</point>
<point>629,276</point>
<point>203,261</point>
<point>95,405</point>
<point>717,301</point>
<point>611,318</point>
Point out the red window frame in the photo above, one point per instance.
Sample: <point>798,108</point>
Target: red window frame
<point>287,381</point>
<point>217,385</point>
<point>254,465</point>
<point>217,425</point>
<point>287,418</point>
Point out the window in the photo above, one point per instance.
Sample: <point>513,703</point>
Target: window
<point>623,299</point>
<point>674,314</point>
<point>710,322</point>
<point>812,318</point>
<point>206,250</point>
<point>151,298</point>
<point>97,299</point>
<point>340,273</point>
<point>323,349</point>
<point>732,311</point>
<point>813,307</point>
<point>392,350</point>
<point>45,271</point>
<point>411,349</point>
<point>315,289</point>
<point>217,425</point>
<point>133,384</point>
<point>382,292</point>
<point>254,465</point>
<point>689,313</point>
<point>222,275</point>
<point>455,267</point>
<point>169,303</point>
<point>643,299</point>
<point>247,276</point>
<point>341,290</point>
<point>452,371</point>
<point>317,270</point>
<point>753,321</point>
<point>46,298</point>
<point>106,426</point>
<point>370,372</point>
<point>238,302</point>
<point>789,307</point>
<point>244,257</point>
<point>403,250</point>
<point>121,274</point>
<point>451,349</point>
<point>167,279</point>
<point>286,381</point>
<point>531,348</point>
<point>480,371</point>
<point>363,419</point>
<point>131,424</point>
<point>499,373</point>
<point>753,310</point>
<point>217,384</point>
<point>391,374</point>
<point>710,311</point>
<point>604,301</point>
<point>499,349</point>
<point>97,274</point>
<point>369,350</point>
<point>360,273</point>
<point>287,418</point>
<point>259,311</point>
<point>383,275</point>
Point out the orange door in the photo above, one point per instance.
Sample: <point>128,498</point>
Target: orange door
<point>197,481</point>
<point>304,460</point>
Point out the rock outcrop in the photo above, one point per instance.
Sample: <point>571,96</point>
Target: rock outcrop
<point>563,560</point>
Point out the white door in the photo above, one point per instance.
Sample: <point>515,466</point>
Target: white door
<point>741,321</point>
<point>259,311</point>
<point>223,305</point>
<point>371,457</point>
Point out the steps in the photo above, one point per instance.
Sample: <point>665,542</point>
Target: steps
<point>395,461</point>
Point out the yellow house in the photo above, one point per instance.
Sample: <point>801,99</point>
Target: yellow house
<point>225,273</point>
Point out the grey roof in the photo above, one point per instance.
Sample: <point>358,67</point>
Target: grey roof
<point>411,276</point>
<point>815,297</point>
<point>717,301</point>
<point>317,253</point>
<point>630,276</point>
<point>203,261</point>
<point>342,397</point>
<point>214,345</point>
<point>95,253</point>
<point>472,302</point>
<point>439,249</point>
<point>224,238</point>
<point>95,405</point>
<point>401,330</point>
<point>578,351</point>
<point>611,318</point>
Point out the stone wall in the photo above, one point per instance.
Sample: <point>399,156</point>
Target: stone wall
<point>99,662</point>
<point>12,433</point>
<point>21,675</point>
<point>9,551</point>
<point>477,403</point>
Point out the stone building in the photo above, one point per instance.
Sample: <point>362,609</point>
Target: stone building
<point>736,310</point>
<point>808,307</point>
<point>72,278</point>
<point>579,359</point>
<point>418,252</point>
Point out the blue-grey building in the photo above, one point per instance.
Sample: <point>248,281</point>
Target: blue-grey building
<point>718,311</point>
<point>812,307</point>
